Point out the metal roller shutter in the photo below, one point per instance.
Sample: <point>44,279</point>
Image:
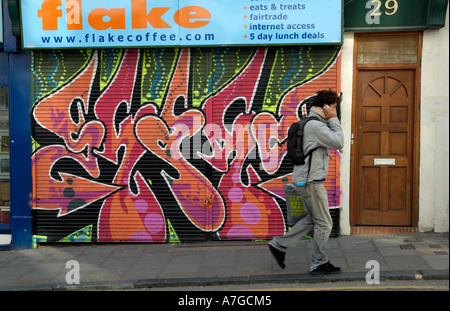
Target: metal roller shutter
<point>167,145</point>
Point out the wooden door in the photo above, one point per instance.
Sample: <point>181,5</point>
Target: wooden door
<point>383,145</point>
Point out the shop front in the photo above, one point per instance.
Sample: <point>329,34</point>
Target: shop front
<point>393,50</point>
<point>167,123</point>
<point>4,132</point>
<point>170,126</point>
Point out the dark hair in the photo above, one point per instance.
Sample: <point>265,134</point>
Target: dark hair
<point>325,97</point>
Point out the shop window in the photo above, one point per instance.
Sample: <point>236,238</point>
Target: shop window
<point>388,49</point>
<point>4,157</point>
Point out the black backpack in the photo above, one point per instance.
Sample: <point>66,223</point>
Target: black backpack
<point>295,141</point>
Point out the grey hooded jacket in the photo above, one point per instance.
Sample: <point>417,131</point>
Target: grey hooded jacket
<point>324,134</point>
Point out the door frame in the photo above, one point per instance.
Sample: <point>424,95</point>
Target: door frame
<point>416,120</point>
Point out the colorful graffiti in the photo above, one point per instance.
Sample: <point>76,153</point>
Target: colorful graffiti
<point>156,145</point>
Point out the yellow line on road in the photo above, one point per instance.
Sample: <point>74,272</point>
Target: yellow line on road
<point>341,288</point>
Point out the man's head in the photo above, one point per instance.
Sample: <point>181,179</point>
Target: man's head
<point>328,101</point>
<point>326,97</point>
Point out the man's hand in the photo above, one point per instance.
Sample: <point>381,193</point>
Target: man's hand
<point>330,111</point>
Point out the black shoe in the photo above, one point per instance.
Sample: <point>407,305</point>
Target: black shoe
<point>326,268</point>
<point>278,255</point>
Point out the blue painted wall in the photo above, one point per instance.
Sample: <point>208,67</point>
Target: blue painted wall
<point>19,89</point>
<point>15,74</point>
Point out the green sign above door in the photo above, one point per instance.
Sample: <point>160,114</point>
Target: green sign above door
<point>394,15</point>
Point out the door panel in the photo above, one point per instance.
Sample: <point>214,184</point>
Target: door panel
<point>383,147</point>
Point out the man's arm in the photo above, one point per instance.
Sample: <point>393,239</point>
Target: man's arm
<point>330,135</point>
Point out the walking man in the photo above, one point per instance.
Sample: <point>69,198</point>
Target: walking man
<point>308,181</point>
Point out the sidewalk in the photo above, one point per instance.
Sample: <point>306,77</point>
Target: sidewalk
<point>128,266</point>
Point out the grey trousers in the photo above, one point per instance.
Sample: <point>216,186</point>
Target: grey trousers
<point>315,201</point>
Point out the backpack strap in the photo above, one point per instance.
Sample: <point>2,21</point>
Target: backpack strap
<point>310,160</point>
<point>300,141</point>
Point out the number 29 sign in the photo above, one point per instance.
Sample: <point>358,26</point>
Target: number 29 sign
<point>377,8</point>
<point>385,15</point>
